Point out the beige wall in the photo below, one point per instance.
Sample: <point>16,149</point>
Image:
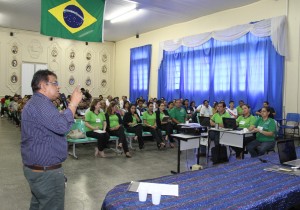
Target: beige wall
<point>35,48</point>
<point>254,12</point>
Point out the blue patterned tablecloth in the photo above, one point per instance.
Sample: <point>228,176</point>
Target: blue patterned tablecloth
<point>237,185</point>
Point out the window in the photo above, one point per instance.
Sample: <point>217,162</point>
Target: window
<point>140,62</point>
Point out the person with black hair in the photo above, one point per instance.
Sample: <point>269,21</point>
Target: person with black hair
<point>140,108</point>
<point>265,129</point>
<point>44,146</point>
<point>150,125</point>
<point>164,125</point>
<point>232,110</point>
<point>247,120</point>
<point>133,124</point>
<point>267,105</point>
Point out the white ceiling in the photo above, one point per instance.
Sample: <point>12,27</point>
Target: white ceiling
<point>25,14</point>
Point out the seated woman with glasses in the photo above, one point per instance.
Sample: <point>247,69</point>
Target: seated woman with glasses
<point>115,127</point>
<point>95,121</point>
<point>133,124</point>
<point>150,125</point>
<point>163,123</point>
<point>265,129</point>
<point>247,120</point>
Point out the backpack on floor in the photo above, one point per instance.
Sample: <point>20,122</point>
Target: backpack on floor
<point>219,154</point>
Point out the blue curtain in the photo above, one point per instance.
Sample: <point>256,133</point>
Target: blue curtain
<point>140,63</point>
<point>248,68</point>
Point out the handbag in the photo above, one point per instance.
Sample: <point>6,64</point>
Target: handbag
<point>76,134</point>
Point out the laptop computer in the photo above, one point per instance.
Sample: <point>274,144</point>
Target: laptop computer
<point>204,121</point>
<point>229,123</point>
<point>287,153</point>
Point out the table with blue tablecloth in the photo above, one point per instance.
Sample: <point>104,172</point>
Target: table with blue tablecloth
<point>237,185</point>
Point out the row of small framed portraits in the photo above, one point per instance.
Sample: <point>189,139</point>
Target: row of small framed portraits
<point>72,55</point>
<point>88,68</point>
<point>88,82</point>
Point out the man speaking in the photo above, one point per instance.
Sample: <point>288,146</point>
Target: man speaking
<point>43,144</point>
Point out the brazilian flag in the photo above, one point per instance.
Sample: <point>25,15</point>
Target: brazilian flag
<point>73,19</point>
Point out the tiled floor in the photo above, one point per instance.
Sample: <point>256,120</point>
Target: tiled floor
<point>89,178</point>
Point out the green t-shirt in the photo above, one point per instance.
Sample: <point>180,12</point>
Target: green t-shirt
<point>239,110</point>
<point>134,120</point>
<point>217,118</point>
<point>95,119</point>
<point>179,114</point>
<point>113,120</point>
<point>268,125</point>
<point>246,122</point>
<point>161,116</point>
<point>6,103</point>
<point>151,118</point>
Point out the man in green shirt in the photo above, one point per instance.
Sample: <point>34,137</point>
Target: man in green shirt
<point>178,113</point>
<point>217,118</point>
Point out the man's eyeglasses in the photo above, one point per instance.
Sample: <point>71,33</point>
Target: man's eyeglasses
<point>53,83</point>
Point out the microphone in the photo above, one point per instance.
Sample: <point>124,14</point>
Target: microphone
<point>64,100</point>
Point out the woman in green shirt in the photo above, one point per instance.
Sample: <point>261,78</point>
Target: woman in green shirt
<point>96,125</point>
<point>265,129</point>
<point>149,118</point>
<point>115,127</point>
<point>247,120</point>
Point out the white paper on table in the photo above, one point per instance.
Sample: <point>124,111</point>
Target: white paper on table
<point>165,189</point>
<point>99,131</point>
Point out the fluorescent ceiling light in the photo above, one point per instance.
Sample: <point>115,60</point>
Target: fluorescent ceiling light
<point>120,12</point>
<point>126,16</point>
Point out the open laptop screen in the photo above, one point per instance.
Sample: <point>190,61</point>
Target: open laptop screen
<point>204,121</point>
<point>286,150</point>
<point>229,123</point>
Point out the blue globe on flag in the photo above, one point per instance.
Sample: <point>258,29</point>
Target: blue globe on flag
<point>73,16</point>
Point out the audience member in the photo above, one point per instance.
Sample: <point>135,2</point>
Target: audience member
<point>239,108</point>
<point>231,110</point>
<point>115,127</point>
<point>164,125</point>
<point>96,121</point>
<point>217,118</point>
<point>245,121</point>
<point>215,107</point>
<point>265,136</point>
<point>178,114</point>
<point>140,108</point>
<point>133,124</point>
<point>266,105</point>
<point>126,107</point>
<point>150,125</point>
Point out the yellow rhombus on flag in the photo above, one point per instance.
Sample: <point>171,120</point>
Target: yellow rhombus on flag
<point>58,13</point>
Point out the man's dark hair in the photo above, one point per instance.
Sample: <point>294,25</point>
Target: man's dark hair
<point>149,103</point>
<point>223,103</point>
<point>266,102</point>
<point>40,76</point>
<point>205,101</point>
